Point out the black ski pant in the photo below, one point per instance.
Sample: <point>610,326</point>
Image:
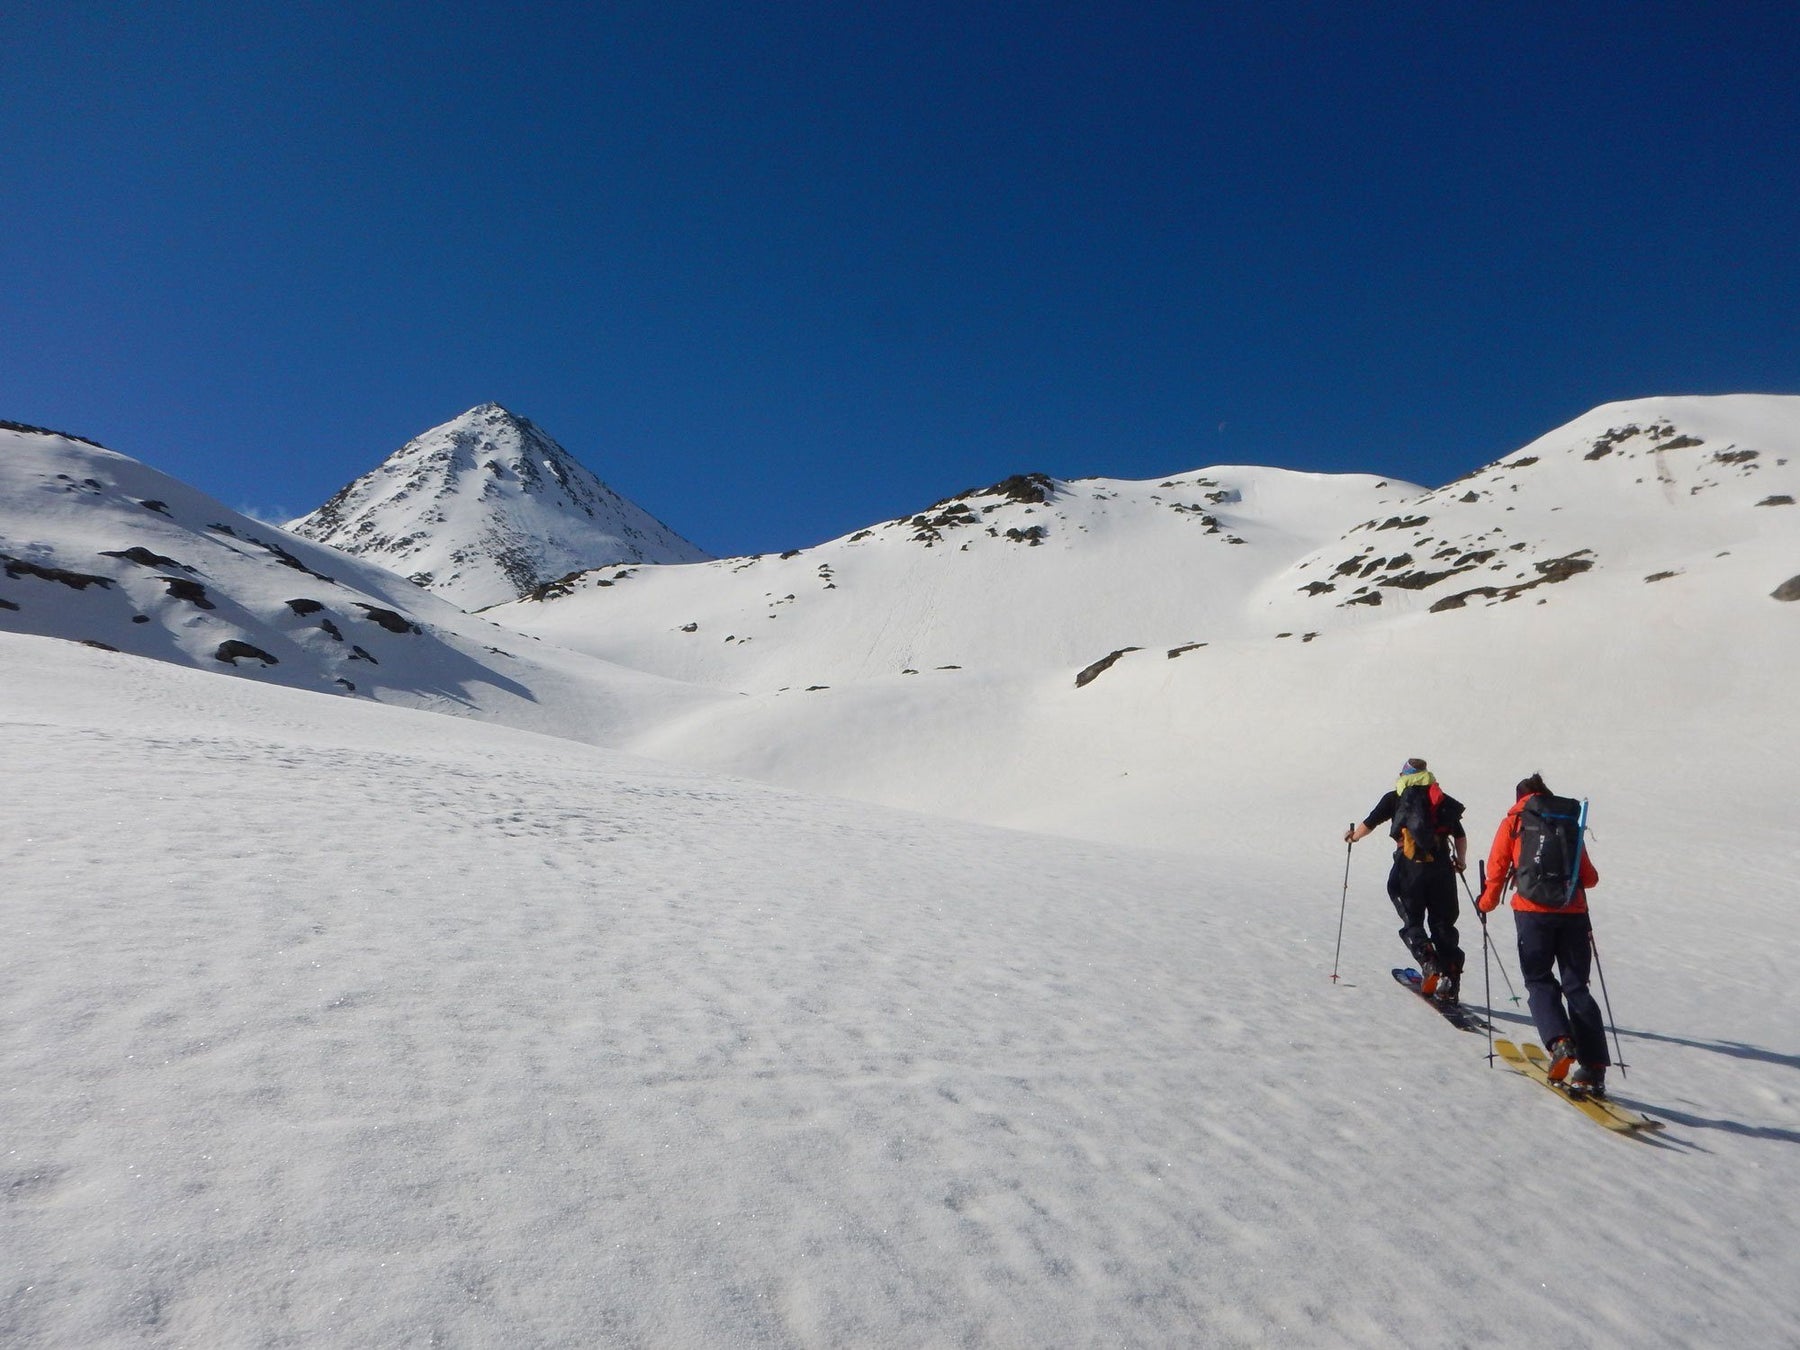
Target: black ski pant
<point>1425,894</point>
<point>1560,1002</point>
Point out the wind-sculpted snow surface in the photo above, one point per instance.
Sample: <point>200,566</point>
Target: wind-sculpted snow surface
<point>333,1024</point>
<point>485,508</point>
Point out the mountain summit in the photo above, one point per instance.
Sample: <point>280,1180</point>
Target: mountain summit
<point>486,507</point>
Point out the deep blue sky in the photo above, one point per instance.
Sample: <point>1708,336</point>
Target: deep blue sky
<point>776,270</point>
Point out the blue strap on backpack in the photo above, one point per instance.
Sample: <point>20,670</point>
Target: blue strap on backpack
<point>1548,872</point>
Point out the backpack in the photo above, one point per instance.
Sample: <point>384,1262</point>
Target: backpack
<point>1418,821</point>
<point>1548,871</point>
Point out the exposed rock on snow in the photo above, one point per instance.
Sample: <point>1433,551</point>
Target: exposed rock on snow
<point>1104,664</point>
<point>180,588</point>
<point>232,651</point>
<point>485,508</point>
<point>80,581</point>
<point>46,431</point>
<point>1660,481</point>
<point>143,557</point>
<point>388,619</point>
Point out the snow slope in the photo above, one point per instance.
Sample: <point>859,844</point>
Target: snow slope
<point>100,549</point>
<point>1600,605</point>
<point>1036,575</point>
<point>1027,574</point>
<point>1654,488</point>
<point>330,1023</point>
<point>486,507</point>
<point>1638,693</point>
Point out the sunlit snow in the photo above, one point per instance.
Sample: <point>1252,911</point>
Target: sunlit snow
<point>495,1003</point>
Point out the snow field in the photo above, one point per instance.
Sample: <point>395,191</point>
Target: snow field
<point>328,1023</point>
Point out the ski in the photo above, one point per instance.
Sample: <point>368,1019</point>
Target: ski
<point>1458,1016</point>
<point>1534,1064</point>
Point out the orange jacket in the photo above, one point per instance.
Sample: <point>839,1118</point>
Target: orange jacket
<point>1504,856</point>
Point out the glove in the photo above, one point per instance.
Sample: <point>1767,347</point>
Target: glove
<point>1488,904</point>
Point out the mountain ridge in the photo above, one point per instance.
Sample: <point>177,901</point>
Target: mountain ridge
<point>990,578</point>
<point>100,549</point>
<point>1039,573</point>
<point>1026,581</point>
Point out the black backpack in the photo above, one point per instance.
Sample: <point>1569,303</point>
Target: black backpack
<point>1549,867</point>
<point>1416,824</point>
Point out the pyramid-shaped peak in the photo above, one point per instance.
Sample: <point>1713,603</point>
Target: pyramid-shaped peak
<point>486,506</point>
<point>485,425</point>
<point>487,413</point>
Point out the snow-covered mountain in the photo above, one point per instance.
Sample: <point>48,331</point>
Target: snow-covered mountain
<point>1657,490</point>
<point>1109,611</point>
<point>1663,559</point>
<point>98,548</point>
<point>1029,574</point>
<point>486,507</point>
<point>1036,574</point>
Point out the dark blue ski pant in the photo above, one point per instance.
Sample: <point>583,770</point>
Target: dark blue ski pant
<point>1554,960</point>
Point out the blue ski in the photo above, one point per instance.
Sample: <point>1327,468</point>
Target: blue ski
<point>1463,1019</point>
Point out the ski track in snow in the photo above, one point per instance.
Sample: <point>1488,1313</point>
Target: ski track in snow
<point>324,1023</point>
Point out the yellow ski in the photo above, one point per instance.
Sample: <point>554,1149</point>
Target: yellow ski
<point>1534,1064</point>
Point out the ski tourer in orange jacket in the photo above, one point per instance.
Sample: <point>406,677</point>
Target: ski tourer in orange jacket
<point>1503,857</point>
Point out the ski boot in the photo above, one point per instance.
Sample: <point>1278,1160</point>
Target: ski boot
<point>1562,1058</point>
<point>1429,976</point>
<point>1588,1080</point>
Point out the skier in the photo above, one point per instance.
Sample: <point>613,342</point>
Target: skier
<point>1566,1014</point>
<point>1430,848</point>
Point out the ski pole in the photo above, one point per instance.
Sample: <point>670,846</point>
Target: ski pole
<point>1487,988</point>
<point>1600,970</point>
<point>1342,905</point>
<point>1473,901</point>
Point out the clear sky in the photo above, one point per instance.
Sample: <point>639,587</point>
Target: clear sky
<point>776,269</point>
